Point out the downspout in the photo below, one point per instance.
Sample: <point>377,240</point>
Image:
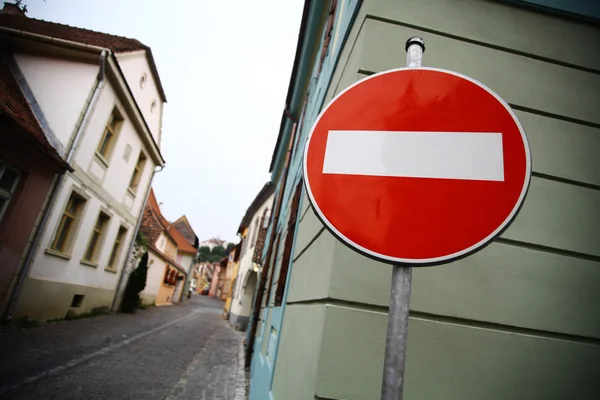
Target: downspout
<point>122,83</point>
<point>120,284</point>
<point>24,271</point>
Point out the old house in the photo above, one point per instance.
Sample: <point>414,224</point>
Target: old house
<point>252,229</point>
<point>218,279</point>
<point>166,277</point>
<point>187,247</point>
<point>517,320</point>
<point>231,275</point>
<point>29,168</point>
<point>98,99</point>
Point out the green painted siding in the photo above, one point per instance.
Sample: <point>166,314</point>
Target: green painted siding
<point>296,372</point>
<point>518,320</point>
<point>521,81</point>
<point>448,360</point>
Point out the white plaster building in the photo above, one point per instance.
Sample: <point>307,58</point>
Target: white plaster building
<point>100,102</point>
<point>253,229</point>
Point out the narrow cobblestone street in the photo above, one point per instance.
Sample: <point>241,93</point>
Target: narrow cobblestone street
<point>177,353</point>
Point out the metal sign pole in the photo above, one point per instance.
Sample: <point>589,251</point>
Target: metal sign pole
<point>397,330</point>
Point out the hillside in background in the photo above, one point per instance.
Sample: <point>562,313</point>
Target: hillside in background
<point>214,249</point>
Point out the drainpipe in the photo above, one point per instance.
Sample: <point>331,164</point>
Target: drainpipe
<point>89,108</point>
<point>24,271</point>
<point>120,284</point>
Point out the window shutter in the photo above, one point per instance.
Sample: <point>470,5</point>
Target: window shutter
<point>272,270</point>
<point>289,240</point>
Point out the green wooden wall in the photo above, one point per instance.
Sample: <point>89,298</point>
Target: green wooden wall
<point>520,319</point>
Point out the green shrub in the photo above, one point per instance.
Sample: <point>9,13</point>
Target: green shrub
<point>135,284</point>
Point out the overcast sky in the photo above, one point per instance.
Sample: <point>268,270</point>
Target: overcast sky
<point>225,67</point>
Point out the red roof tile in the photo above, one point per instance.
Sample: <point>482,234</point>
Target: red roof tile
<point>182,245</point>
<point>150,227</point>
<point>14,104</point>
<point>117,44</point>
<point>153,222</point>
<point>166,258</point>
<point>153,203</point>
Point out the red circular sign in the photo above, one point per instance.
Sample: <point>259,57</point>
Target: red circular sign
<point>417,166</point>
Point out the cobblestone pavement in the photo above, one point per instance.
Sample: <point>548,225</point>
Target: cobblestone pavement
<point>217,371</point>
<point>175,353</point>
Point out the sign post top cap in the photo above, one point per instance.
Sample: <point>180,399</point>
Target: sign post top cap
<point>415,40</point>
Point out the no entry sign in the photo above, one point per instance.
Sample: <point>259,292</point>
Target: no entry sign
<point>417,166</point>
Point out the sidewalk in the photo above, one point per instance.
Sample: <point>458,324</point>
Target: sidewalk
<point>217,371</point>
<point>182,352</point>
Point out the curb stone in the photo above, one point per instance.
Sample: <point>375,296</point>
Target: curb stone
<point>241,389</point>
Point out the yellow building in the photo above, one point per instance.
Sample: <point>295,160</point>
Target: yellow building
<point>231,275</point>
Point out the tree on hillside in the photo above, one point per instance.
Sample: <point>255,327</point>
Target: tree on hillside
<point>229,247</point>
<point>205,254</point>
<point>218,251</point>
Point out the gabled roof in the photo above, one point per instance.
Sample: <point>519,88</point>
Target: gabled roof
<point>117,44</point>
<point>153,203</point>
<point>182,245</point>
<point>183,219</point>
<point>14,105</point>
<point>258,201</point>
<point>182,224</point>
<point>236,252</point>
<point>296,71</point>
<point>153,222</point>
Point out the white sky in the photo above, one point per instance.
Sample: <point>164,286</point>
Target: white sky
<point>225,67</point>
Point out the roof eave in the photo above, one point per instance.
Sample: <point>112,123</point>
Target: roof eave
<point>154,70</point>
<point>53,156</point>
<point>157,156</point>
<point>309,27</point>
<point>260,198</point>
<point>166,258</point>
<point>143,124</point>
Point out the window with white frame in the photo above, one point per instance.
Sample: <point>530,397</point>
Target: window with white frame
<point>109,136</point>
<point>67,225</point>
<point>137,172</point>
<point>116,249</point>
<point>92,252</point>
<point>9,179</point>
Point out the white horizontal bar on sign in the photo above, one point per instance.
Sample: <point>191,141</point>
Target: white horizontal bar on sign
<point>438,155</point>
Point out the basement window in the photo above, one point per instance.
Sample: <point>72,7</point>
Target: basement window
<point>77,300</point>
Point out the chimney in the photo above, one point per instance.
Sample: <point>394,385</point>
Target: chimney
<point>13,9</point>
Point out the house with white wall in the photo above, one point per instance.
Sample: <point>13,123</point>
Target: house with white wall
<point>187,250</point>
<point>166,277</point>
<point>100,100</point>
<point>252,229</point>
